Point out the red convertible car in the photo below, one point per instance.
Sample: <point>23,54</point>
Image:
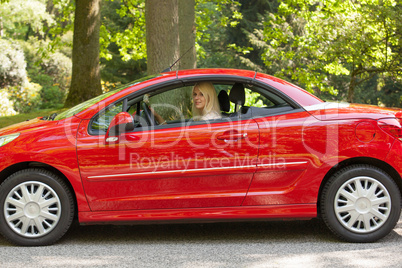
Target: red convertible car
<point>275,152</point>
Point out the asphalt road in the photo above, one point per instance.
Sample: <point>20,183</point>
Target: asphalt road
<point>256,244</point>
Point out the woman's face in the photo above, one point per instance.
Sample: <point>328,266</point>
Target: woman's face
<point>198,99</point>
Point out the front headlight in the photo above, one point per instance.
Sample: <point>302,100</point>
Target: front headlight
<point>8,138</point>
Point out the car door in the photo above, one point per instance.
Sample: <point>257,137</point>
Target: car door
<point>179,165</point>
<point>283,154</point>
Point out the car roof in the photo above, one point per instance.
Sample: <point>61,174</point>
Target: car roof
<point>301,96</point>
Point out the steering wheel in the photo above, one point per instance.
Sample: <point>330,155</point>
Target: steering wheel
<point>149,116</point>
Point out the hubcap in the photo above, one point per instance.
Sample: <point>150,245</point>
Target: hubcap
<point>362,204</point>
<point>32,209</point>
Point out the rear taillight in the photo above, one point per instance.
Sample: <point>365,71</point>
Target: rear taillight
<point>392,126</point>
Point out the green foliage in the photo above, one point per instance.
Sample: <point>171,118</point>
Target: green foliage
<point>336,49</point>
<point>122,34</point>
<point>246,38</point>
<point>26,98</point>
<point>308,41</point>
<point>40,27</point>
<point>224,13</point>
<point>116,64</point>
<point>213,45</point>
<point>253,99</point>
<point>237,45</point>
<point>123,24</point>
<point>52,96</point>
<point>52,73</point>
<point>43,19</point>
<point>23,16</point>
<point>391,93</point>
<point>379,91</point>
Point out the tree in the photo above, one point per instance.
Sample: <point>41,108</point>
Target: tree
<point>310,41</point>
<point>162,34</point>
<point>123,25</point>
<point>164,44</point>
<point>85,81</point>
<point>215,46</point>
<point>198,22</point>
<point>187,34</point>
<point>21,17</point>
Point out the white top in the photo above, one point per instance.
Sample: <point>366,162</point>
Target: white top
<point>211,115</point>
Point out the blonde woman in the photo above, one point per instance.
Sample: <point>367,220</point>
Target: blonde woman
<point>205,102</point>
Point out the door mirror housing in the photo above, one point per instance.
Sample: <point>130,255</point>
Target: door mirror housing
<point>121,123</point>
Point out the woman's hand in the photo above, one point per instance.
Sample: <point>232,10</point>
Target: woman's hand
<point>158,118</point>
<point>146,99</point>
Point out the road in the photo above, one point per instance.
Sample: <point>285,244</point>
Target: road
<point>256,244</point>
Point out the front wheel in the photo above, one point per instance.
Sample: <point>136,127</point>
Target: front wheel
<point>360,203</point>
<point>37,208</point>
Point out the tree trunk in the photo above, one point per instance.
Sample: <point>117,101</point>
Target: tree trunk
<point>85,81</point>
<point>162,34</point>
<point>187,34</point>
<point>170,32</point>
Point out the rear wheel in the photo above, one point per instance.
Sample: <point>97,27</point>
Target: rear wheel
<point>37,208</point>
<point>361,203</point>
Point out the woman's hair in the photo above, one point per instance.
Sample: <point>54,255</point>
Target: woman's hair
<point>211,99</point>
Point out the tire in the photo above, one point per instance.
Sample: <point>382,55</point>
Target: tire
<point>37,208</point>
<point>361,203</point>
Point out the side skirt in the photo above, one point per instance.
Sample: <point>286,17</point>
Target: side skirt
<point>221,214</point>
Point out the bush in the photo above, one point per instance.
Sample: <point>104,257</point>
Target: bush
<point>26,98</point>
<point>6,106</point>
<point>58,68</point>
<point>12,64</point>
<point>52,97</point>
<point>51,94</point>
<point>53,73</point>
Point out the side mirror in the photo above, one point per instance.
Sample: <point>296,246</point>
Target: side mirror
<point>120,123</point>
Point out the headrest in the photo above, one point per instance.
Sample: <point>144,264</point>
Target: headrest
<point>237,94</point>
<point>223,99</point>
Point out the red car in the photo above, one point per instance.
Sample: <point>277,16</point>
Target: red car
<point>275,152</point>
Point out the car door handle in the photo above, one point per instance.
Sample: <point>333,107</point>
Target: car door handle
<point>232,137</point>
<point>131,137</point>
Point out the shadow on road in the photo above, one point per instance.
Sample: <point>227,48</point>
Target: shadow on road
<point>259,231</point>
<point>313,230</point>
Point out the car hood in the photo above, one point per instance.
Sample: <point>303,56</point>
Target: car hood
<point>33,124</point>
<point>339,111</point>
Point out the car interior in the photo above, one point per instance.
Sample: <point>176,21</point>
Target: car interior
<point>236,101</point>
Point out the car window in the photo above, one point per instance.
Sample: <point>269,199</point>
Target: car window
<point>101,122</point>
<point>258,102</point>
<point>174,107</point>
<point>253,99</point>
<point>82,106</point>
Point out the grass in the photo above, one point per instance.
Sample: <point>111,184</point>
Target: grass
<point>10,120</point>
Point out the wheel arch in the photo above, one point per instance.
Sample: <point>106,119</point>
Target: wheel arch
<point>4,174</point>
<point>355,161</point>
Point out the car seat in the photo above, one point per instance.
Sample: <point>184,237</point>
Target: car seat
<point>237,95</point>
<point>224,102</point>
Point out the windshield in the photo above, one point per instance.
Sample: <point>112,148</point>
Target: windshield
<point>82,106</point>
